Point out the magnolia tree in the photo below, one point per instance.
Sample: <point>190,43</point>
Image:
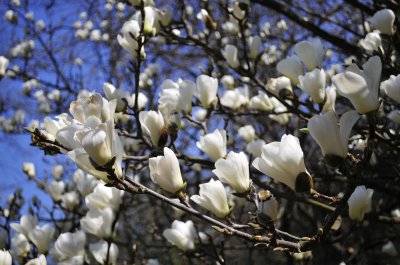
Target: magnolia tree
<point>204,132</point>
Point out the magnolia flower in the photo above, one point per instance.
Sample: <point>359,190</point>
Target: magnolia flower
<point>230,54</point>
<point>98,222</point>
<point>42,237</point>
<point>118,94</point>
<point>314,84</point>
<point>178,97</point>
<point>84,183</point>
<point>361,87</point>
<point>371,42</point>
<point>86,108</point>
<point>330,99</point>
<point>213,198</point>
<point>26,224</point>
<point>100,249</point>
<point>391,87</point>
<point>152,124</point>
<point>234,170</point>
<point>284,162</point>
<point>281,87</point>
<point>142,100</point>
<point>254,46</point>
<point>41,260</point>
<point>3,66</point>
<point>390,249</point>
<point>255,147</point>
<point>247,132</point>
<point>29,169</point>
<point>213,144</point>
<point>311,53</point>
<point>268,208</point>
<point>165,171</point>
<point>206,90</point>
<point>5,257</point>
<point>261,102</point>
<point>291,67</point>
<point>103,197</point>
<point>57,171</point>
<point>360,203</point>
<point>69,245</point>
<point>181,234</point>
<point>282,117</point>
<point>55,189</point>
<point>331,137</point>
<point>129,38</point>
<point>20,245</point>
<point>70,200</point>
<point>235,98</point>
<point>383,21</point>
<point>228,81</point>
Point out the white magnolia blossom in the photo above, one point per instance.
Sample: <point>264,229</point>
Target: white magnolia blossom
<point>103,197</point>
<point>98,222</point>
<point>11,16</point>
<point>42,237</point>
<point>268,208</point>
<point>213,144</point>
<point>20,245</point>
<point>391,87</point>
<point>235,98</point>
<point>26,224</point>
<point>212,196</point>
<point>291,67</point>
<point>390,249</point>
<point>3,66</point>
<point>330,99</point>
<point>371,42</point>
<point>176,96</point>
<point>383,21</point>
<point>165,171</point>
<point>55,189</point>
<point>234,171</point>
<point>206,90</point>
<point>281,86</point>
<point>70,246</point>
<point>142,100</point>
<point>70,200</point>
<point>5,257</point>
<point>254,46</point>
<point>85,183</point>
<point>152,123</point>
<point>261,102</point>
<point>360,203</point>
<point>57,171</point>
<point>228,81</point>
<point>333,138</point>
<point>311,53</point>
<point>313,83</point>
<point>41,260</point>
<point>247,132</point>
<point>284,162</point>
<point>128,38</point>
<point>181,234</point>
<point>230,53</point>
<point>29,169</point>
<point>99,251</point>
<point>111,92</point>
<point>255,147</point>
<point>361,87</point>
<point>282,117</point>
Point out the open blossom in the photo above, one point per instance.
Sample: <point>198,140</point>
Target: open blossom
<point>391,87</point>
<point>212,196</point>
<point>42,237</point>
<point>165,171</point>
<point>128,38</point>
<point>55,189</point>
<point>371,42</point>
<point>5,257</point>
<point>70,245</point>
<point>284,162</point>
<point>41,260</point>
<point>314,84</point>
<point>280,86</point>
<point>234,170</point>
<point>111,92</point>
<point>181,234</point>
<point>331,137</point>
<point>85,183</point>
<point>291,67</point>
<point>261,102</point>
<point>152,123</point>
<point>100,250</point>
<point>255,147</point>
<point>360,203</point>
<point>383,21</point>
<point>98,222</point>
<point>20,245</point>
<point>213,144</point>
<point>235,98</point>
<point>230,54</point>
<point>361,87</point>
<point>311,53</point>
<point>177,96</point>
<point>247,132</point>
<point>26,224</point>
<point>103,197</point>
<point>206,90</point>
